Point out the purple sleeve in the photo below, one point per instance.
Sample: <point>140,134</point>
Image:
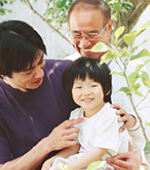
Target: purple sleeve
<point>5,150</point>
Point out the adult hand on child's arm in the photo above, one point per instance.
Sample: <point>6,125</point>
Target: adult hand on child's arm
<point>125,161</point>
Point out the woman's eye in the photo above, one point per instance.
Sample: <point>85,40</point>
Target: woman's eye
<point>28,72</point>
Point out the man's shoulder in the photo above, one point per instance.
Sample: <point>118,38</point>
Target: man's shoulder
<point>53,65</point>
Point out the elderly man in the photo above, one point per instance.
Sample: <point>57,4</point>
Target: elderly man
<point>89,23</point>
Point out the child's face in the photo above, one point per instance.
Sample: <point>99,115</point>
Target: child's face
<point>89,95</point>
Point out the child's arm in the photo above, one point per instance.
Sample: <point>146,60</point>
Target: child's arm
<point>94,155</point>
<point>65,153</point>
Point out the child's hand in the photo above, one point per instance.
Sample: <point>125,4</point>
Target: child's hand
<point>47,164</point>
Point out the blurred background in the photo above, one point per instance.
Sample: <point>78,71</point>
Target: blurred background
<point>57,47</point>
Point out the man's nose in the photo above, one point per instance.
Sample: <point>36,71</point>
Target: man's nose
<point>84,42</point>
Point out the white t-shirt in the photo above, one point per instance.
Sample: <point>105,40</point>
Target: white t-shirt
<point>101,130</point>
<point>137,138</point>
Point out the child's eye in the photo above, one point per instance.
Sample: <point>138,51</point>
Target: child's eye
<point>78,87</point>
<point>94,85</point>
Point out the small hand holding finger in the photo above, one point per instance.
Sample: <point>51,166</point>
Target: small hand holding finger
<point>129,120</point>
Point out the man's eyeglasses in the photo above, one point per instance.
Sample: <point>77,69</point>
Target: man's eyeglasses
<point>91,36</point>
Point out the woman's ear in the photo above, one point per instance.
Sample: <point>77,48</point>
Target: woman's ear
<point>107,93</point>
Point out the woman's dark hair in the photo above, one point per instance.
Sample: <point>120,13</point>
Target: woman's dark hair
<point>19,44</point>
<point>83,67</point>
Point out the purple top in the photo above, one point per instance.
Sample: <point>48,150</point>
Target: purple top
<point>27,117</point>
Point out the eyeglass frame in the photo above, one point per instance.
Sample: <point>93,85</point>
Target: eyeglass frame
<point>83,35</point>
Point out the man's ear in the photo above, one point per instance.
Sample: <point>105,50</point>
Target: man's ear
<point>110,25</point>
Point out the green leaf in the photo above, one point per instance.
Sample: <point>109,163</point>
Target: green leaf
<point>130,38</point>
<point>95,165</point>
<point>136,86</point>
<point>127,5</point>
<point>142,53</point>
<point>136,47</point>
<point>61,3</point>
<point>63,166</point>
<point>115,16</point>
<point>123,52</point>
<point>145,26</point>
<point>118,73</point>
<point>108,56</point>
<point>50,11</point>
<point>145,78</point>
<point>100,47</point>
<point>112,2</point>
<point>124,10</point>
<point>133,75</point>
<point>148,124</point>
<point>139,67</point>
<point>117,7</point>
<point>146,61</point>
<point>138,93</point>
<point>119,31</point>
<point>148,83</point>
<point>126,90</point>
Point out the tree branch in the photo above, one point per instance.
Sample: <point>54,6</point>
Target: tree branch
<point>51,26</point>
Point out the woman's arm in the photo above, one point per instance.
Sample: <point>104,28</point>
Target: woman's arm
<point>59,138</point>
<point>91,156</point>
<point>65,153</point>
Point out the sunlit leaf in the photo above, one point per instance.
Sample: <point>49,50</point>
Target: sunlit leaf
<point>118,73</point>
<point>115,16</point>
<point>148,124</point>
<point>126,90</point>
<point>127,5</point>
<point>138,93</point>
<point>133,75</point>
<point>145,26</point>
<point>61,3</point>
<point>124,10</point>
<point>100,47</point>
<point>119,31</point>
<point>146,61</point>
<point>143,53</point>
<point>108,56</point>
<point>145,78</point>
<point>95,165</point>
<point>123,52</point>
<point>129,38</point>
<point>136,86</point>
<point>63,166</point>
<point>148,83</point>
<point>139,67</point>
<point>50,11</point>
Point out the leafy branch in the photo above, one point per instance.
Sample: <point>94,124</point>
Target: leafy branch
<point>124,56</point>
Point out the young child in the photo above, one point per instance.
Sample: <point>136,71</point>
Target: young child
<point>89,84</point>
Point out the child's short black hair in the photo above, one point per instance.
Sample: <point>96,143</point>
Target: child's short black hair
<point>83,67</point>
